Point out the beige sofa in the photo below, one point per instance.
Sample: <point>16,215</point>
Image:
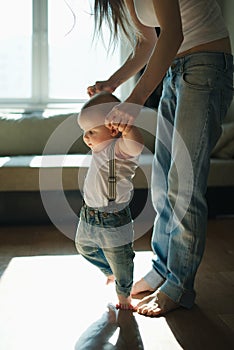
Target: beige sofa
<point>48,155</point>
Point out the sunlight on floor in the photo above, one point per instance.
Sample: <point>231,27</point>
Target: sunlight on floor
<point>113,339</point>
<point>48,302</point>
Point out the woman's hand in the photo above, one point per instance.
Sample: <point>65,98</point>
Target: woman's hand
<point>122,117</point>
<point>100,86</point>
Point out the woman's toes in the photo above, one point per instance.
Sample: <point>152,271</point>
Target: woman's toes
<point>156,304</point>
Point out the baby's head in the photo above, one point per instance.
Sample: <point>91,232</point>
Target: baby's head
<point>91,119</point>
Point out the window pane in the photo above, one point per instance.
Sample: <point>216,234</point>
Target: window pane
<point>74,61</point>
<point>15,48</point>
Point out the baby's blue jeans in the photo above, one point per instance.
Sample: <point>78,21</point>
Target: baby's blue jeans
<point>197,92</point>
<point>106,240</point>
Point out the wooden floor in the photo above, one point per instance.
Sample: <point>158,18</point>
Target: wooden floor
<point>52,299</point>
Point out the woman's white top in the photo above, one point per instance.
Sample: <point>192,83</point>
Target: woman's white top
<point>202,20</point>
<point>96,181</point>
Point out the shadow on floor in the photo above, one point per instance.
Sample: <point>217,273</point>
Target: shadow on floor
<point>193,330</point>
<point>98,335</point>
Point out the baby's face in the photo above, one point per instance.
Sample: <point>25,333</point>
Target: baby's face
<point>95,134</point>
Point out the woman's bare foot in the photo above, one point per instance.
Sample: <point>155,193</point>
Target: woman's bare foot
<point>110,279</point>
<point>156,304</point>
<point>125,303</point>
<point>141,286</point>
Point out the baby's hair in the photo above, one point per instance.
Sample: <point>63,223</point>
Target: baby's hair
<point>101,103</point>
<point>101,98</point>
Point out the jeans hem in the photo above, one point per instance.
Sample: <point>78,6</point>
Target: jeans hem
<point>180,296</point>
<point>153,278</point>
<point>125,292</point>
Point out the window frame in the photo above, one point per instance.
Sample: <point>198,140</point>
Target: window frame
<point>39,100</point>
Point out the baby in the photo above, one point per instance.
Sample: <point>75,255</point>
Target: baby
<point>105,230</point>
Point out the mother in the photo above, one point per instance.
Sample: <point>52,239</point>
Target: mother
<point>193,56</point>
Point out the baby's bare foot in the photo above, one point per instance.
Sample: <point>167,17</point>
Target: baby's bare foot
<point>110,279</point>
<point>125,303</point>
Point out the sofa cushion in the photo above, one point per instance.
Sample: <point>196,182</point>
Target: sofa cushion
<point>227,152</point>
<point>28,135</point>
<point>56,172</point>
<point>224,148</point>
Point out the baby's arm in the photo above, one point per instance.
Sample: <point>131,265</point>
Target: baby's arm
<point>131,143</point>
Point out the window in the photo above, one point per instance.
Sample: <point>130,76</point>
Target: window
<point>15,49</point>
<point>47,55</point>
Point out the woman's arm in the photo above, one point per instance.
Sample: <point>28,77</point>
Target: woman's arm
<point>165,50</point>
<point>136,60</point>
<point>143,50</point>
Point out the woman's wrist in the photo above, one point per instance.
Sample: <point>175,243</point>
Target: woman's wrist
<point>114,82</point>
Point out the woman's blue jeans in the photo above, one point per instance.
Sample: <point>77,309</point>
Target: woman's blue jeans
<point>197,91</point>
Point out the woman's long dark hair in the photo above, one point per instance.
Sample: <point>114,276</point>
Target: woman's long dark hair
<point>115,13</point>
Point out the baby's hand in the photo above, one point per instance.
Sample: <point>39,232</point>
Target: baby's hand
<point>122,117</point>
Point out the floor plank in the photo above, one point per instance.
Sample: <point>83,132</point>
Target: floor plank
<point>51,298</point>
